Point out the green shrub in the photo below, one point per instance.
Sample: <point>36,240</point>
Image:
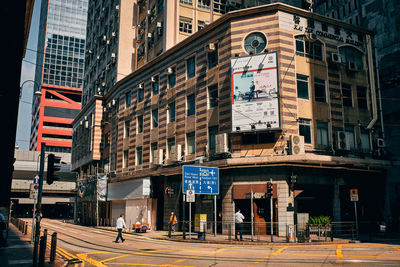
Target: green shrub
<point>320,220</point>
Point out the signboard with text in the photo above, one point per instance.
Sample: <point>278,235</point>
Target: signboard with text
<point>200,179</point>
<point>255,103</point>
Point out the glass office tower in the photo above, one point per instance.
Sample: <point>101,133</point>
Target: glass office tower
<point>59,72</point>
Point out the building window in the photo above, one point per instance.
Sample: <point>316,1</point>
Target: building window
<point>255,43</point>
<point>362,97</point>
<point>127,129</point>
<point>213,96</point>
<point>302,86</point>
<point>171,112</point>
<point>349,129</point>
<point>153,151</point>
<point>155,85</point>
<point>187,2</point>
<point>212,132</point>
<point>350,54</point>
<point>365,142</point>
<point>141,94</point>
<point>190,143</point>
<point>308,49</point>
<point>191,67</point>
<point>139,156</point>
<point>319,90</point>
<point>170,144</point>
<point>154,118</point>
<point>347,95</point>
<point>172,78</point>
<point>126,159</point>
<point>128,97</point>
<point>185,25</point>
<point>190,105</point>
<point>305,130</point>
<point>212,57</point>
<point>323,133</point>
<point>140,124</point>
<point>203,4</point>
<point>220,6</point>
<point>201,24</point>
<point>106,140</point>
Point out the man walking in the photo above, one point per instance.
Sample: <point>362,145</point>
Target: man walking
<point>120,225</point>
<point>239,224</point>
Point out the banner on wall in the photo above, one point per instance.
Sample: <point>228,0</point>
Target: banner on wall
<point>255,102</point>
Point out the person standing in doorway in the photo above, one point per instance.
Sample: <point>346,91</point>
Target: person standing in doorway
<point>120,226</point>
<point>238,224</point>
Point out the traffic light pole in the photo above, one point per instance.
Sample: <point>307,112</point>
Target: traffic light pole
<point>272,216</point>
<point>39,205</point>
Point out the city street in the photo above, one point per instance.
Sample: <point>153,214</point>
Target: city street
<point>87,246</point>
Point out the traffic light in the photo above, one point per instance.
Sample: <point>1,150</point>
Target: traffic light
<point>53,165</point>
<point>269,190</point>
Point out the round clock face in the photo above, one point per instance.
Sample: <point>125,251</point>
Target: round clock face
<point>255,43</point>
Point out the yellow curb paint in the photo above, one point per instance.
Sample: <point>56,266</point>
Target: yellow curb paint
<point>339,251</point>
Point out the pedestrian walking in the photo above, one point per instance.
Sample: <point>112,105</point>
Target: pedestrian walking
<point>172,221</point>
<point>238,224</point>
<point>120,226</point>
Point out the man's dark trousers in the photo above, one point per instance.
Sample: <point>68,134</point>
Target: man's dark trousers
<point>119,236</point>
<point>238,228</point>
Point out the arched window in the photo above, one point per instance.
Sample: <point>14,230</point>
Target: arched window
<point>310,48</point>
<point>351,54</point>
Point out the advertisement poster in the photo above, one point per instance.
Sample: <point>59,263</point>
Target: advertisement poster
<point>255,103</point>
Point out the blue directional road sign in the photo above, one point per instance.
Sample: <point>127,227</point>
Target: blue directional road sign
<point>203,180</point>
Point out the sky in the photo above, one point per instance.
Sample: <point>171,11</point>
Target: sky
<point>28,73</point>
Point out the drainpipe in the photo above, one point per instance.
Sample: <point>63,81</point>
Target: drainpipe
<point>379,94</point>
<point>372,83</point>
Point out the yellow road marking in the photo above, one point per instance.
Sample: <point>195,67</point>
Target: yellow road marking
<point>339,251</point>
<point>270,255</point>
<point>84,257</point>
<point>279,251</point>
<point>197,256</point>
<point>348,256</point>
<point>147,264</point>
<point>396,248</point>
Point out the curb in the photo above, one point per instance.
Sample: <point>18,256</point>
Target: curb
<point>246,243</point>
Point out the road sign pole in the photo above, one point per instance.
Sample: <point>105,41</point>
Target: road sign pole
<point>272,216</point>
<point>252,215</point>
<point>190,220</point>
<point>33,221</point>
<point>355,213</point>
<point>215,215</point>
<point>39,204</point>
<point>184,216</point>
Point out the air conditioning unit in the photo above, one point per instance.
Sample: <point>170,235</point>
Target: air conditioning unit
<point>86,124</point>
<point>380,142</point>
<point>352,66</point>
<point>153,79</point>
<point>85,118</point>
<point>170,70</point>
<point>103,84</point>
<point>159,25</point>
<point>158,157</point>
<point>231,3</point>
<point>107,66</point>
<point>113,102</point>
<point>113,34</point>
<point>140,85</point>
<point>117,7</point>
<point>90,51</point>
<point>104,37</point>
<point>336,58</point>
<point>343,140</point>
<point>221,143</point>
<point>176,153</point>
<point>149,35</point>
<point>149,13</point>
<point>297,145</point>
<point>81,123</point>
<point>113,55</point>
<point>211,47</point>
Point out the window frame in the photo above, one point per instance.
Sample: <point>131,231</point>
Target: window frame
<point>211,137</point>
<point>139,159</point>
<point>190,105</point>
<point>169,78</point>
<point>171,111</point>
<point>126,159</point>
<point>153,87</point>
<point>299,78</point>
<point>127,126</point>
<point>212,57</point>
<point>192,140</point>
<point>303,125</point>
<point>346,97</point>
<point>323,125</point>
<point>139,126</point>
<point>191,67</point>
<point>212,101</point>
<point>317,83</point>
<point>154,118</point>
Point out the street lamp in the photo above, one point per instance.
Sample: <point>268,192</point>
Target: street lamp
<point>38,92</point>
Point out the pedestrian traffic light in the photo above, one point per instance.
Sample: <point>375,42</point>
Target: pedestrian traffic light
<point>53,165</point>
<point>269,190</point>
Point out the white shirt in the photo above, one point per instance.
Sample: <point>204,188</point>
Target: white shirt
<point>121,223</point>
<point>238,217</point>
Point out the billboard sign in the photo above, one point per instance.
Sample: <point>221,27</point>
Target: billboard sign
<point>255,103</point>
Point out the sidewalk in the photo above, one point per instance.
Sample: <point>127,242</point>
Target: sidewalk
<point>224,239</point>
<point>19,250</point>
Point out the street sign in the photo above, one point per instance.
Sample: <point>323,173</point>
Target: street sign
<point>203,180</point>
<point>33,192</point>
<point>190,196</point>
<point>353,195</point>
<point>36,179</point>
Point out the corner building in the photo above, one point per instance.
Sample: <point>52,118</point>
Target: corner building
<point>311,116</point>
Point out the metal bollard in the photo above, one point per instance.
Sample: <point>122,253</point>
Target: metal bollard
<point>26,228</point>
<point>42,250</point>
<point>45,234</point>
<point>230,232</point>
<point>53,247</point>
<point>184,230</point>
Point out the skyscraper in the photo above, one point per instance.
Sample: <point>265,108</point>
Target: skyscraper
<point>59,72</point>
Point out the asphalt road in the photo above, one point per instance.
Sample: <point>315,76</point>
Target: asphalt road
<point>87,246</point>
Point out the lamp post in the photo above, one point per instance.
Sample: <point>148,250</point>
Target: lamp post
<point>38,92</point>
